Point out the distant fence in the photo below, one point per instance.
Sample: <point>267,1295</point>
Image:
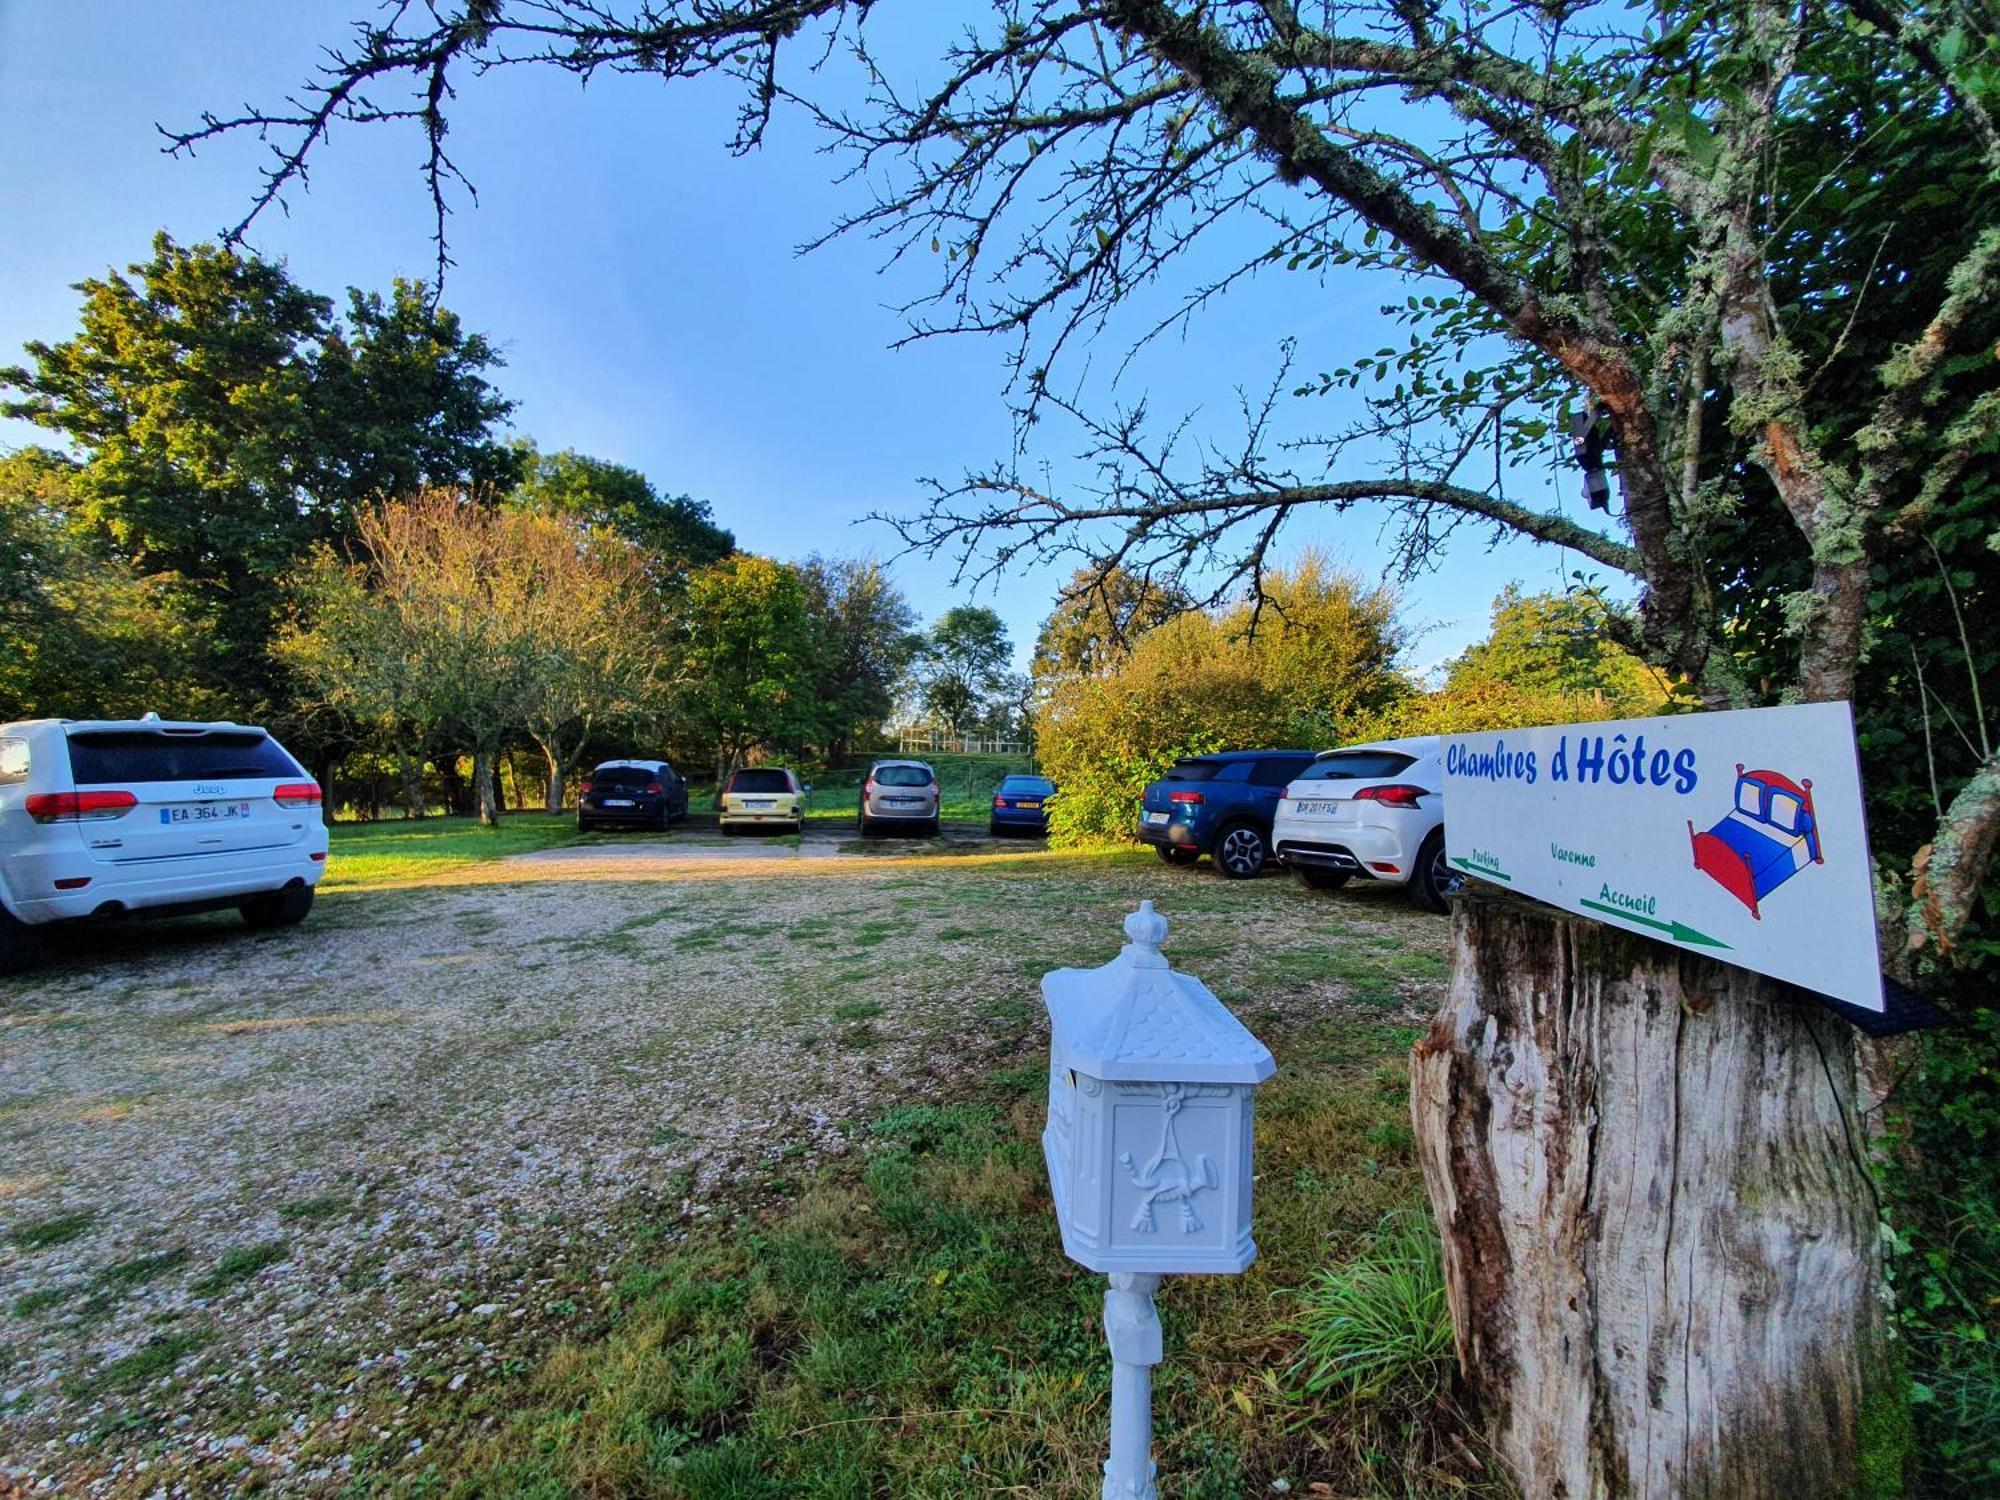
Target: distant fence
<point>911,739</point>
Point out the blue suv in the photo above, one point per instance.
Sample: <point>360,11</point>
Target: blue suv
<point>1219,805</point>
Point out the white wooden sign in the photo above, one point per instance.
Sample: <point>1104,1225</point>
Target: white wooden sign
<point>1735,834</point>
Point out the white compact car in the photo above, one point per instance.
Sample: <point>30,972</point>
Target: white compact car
<point>145,817</point>
<point>1374,812</point>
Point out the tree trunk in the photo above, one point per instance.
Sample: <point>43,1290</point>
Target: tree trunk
<point>410,772</point>
<point>1661,1240</point>
<point>485,799</point>
<point>558,774</point>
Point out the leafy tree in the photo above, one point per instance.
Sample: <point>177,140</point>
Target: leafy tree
<point>82,635</point>
<point>1188,687</point>
<point>1099,616</point>
<point>749,643</point>
<point>864,642</point>
<point>1314,666</point>
<point>602,652</point>
<point>679,531</point>
<point>1560,646</point>
<point>224,421</point>
<point>962,667</point>
<point>465,625</point>
<point>1327,642</point>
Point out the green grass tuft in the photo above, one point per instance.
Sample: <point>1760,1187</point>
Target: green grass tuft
<point>240,1264</point>
<point>45,1234</point>
<point>1380,1322</point>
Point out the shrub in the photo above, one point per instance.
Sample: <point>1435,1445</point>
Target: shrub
<point>1379,1323</point>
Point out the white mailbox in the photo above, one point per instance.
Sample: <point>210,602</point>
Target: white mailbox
<point>1148,1149</point>
<point>1148,1140</point>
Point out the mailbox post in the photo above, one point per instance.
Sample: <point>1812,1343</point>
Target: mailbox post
<point>1148,1150</point>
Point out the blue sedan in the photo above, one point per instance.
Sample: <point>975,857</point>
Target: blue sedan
<point>1021,805</point>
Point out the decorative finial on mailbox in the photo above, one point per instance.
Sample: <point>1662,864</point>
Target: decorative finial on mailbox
<point>1147,929</point>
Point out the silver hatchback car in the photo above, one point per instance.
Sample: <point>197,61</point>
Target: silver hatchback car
<point>900,791</point>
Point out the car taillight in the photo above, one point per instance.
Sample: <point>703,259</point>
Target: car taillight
<point>297,794</point>
<point>1396,794</point>
<point>1190,797</point>
<point>868,786</point>
<point>999,801</point>
<point>79,807</point>
<point>653,789</point>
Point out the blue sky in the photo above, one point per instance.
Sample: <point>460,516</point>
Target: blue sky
<point>642,282</point>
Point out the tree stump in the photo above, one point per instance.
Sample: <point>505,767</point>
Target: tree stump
<point>1660,1233</point>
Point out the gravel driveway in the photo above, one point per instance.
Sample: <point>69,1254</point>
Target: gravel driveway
<point>245,1178</point>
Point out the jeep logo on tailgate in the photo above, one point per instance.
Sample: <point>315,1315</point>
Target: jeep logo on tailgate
<point>202,790</point>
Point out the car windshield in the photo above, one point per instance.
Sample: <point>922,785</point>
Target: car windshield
<point>1357,765</point>
<point>622,778</point>
<point>902,776</point>
<point>109,757</point>
<point>1194,770</point>
<point>1028,786</point>
<point>760,781</point>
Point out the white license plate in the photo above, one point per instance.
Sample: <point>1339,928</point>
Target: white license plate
<point>758,806</point>
<point>1313,809</point>
<point>906,801</point>
<point>205,812</point>
<point>618,802</point>
<point>1158,817</point>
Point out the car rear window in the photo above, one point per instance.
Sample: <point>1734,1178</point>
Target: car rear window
<point>1358,765</point>
<point>1194,770</point>
<point>113,757</point>
<point>760,781</point>
<point>13,761</point>
<point>903,776</point>
<point>1028,785</point>
<point>623,777</point>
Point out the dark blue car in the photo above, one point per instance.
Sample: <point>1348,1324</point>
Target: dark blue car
<point>1021,805</point>
<point>1219,805</point>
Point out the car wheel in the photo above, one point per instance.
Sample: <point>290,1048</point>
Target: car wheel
<point>1320,880</point>
<point>662,821</point>
<point>286,908</point>
<point>799,826</point>
<point>1433,880</point>
<point>992,830</point>
<point>867,828</point>
<point>1240,852</point>
<point>1173,856</point>
<point>583,825</point>
<point>19,944</point>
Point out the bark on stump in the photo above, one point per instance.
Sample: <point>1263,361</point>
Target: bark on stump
<point>1660,1233</point>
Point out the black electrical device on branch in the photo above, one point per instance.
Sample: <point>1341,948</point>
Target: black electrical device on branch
<point>1587,430</point>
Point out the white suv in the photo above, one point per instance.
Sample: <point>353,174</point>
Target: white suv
<point>1374,811</point>
<point>144,817</point>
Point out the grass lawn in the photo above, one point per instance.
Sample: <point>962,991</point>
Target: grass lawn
<point>409,851</point>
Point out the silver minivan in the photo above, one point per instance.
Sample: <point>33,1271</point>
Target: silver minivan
<point>146,817</point>
<point>900,791</point>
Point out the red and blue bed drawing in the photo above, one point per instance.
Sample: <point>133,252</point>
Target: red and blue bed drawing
<point>1766,838</point>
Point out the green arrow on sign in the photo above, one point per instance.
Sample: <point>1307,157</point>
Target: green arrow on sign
<point>1490,874</point>
<point>1674,930</point>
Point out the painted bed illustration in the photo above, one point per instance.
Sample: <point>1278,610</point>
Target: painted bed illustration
<point>1766,838</point>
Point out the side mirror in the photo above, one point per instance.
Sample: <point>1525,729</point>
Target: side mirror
<point>809,786</point>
